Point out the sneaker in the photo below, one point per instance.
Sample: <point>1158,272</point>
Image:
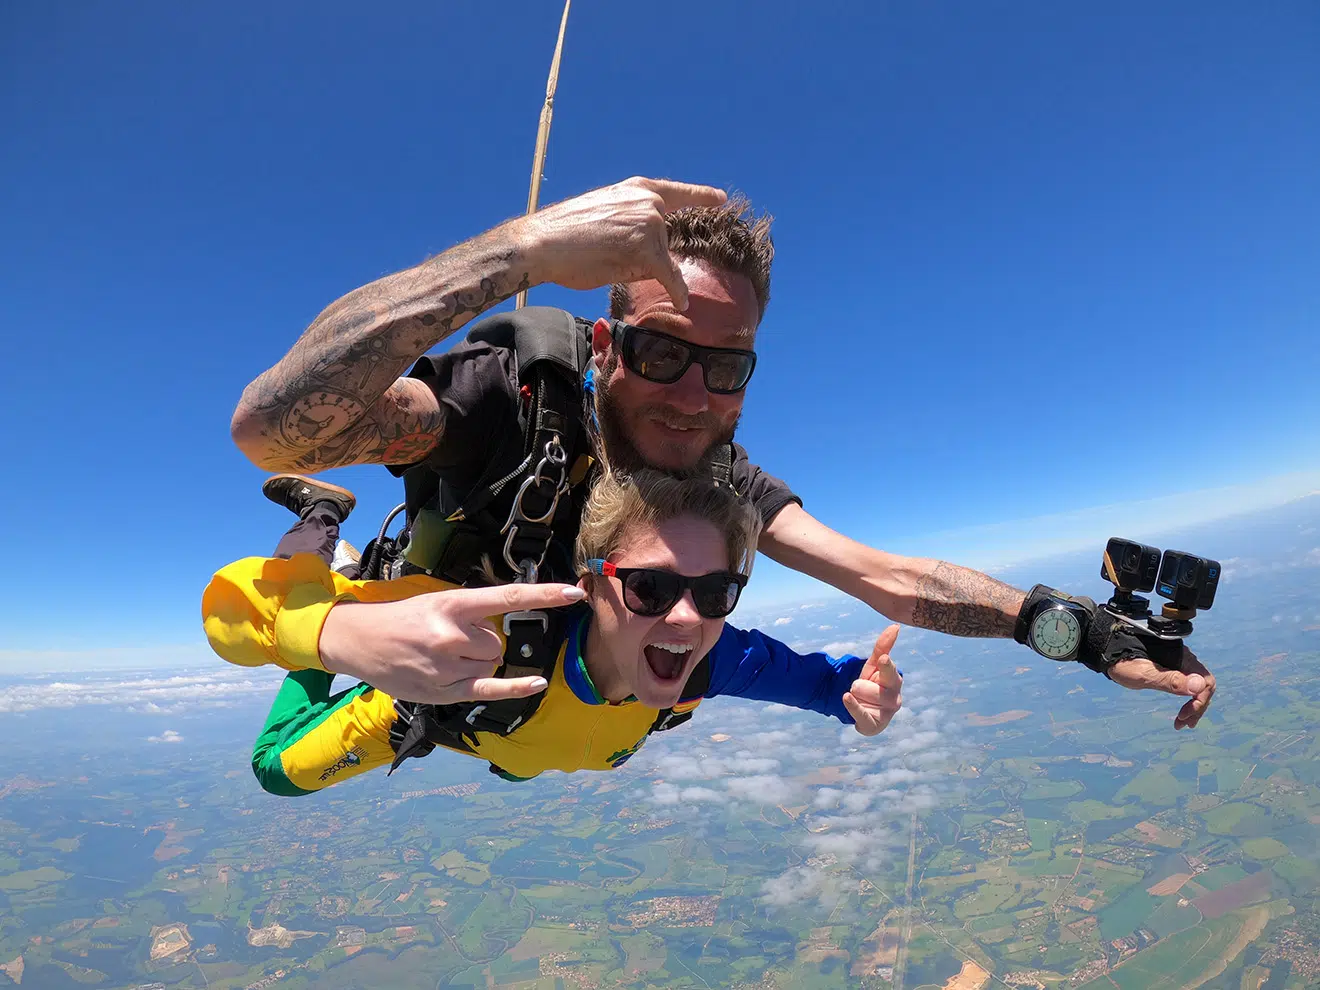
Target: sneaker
<point>299,494</point>
<point>346,555</point>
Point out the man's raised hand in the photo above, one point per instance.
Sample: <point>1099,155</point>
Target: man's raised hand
<point>438,648</point>
<point>1192,679</point>
<point>876,695</point>
<point>613,234</point>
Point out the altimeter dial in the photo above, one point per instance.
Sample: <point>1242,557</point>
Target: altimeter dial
<point>1056,633</point>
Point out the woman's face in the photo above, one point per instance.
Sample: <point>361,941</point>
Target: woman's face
<point>651,657</point>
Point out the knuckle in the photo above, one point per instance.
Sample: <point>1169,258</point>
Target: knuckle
<point>438,628</point>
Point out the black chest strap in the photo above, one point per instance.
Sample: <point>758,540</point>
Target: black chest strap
<point>531,648</point>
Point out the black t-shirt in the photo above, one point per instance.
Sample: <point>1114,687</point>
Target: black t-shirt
<point>477,386</point>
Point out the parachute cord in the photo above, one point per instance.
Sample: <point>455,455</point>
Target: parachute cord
<point>543,132</point>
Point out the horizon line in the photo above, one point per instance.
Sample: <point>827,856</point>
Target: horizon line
<point>981,546</point>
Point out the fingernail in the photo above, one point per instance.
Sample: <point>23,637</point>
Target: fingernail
<point>574,594</point>
<point>539,683</point>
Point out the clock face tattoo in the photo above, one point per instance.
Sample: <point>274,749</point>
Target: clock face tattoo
<point>1056,633</point>
<point>317,416</point>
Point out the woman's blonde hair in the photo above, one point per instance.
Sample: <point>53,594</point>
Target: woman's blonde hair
<point>646,497</point>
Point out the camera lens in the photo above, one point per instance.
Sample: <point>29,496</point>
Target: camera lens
<point>1188,572</point>
<point>1131,559</point>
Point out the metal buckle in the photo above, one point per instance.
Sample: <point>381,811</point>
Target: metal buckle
<point>555,458</point>
<point>526,569</point>
<point>518,513</point>
<point>476,710</point>
<point>526,615</point>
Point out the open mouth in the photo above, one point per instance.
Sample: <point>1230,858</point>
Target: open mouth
<point>679,431</point>
<point>676,427</point>
<point>667,660</point>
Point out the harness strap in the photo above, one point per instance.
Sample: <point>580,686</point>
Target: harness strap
<point>408,734</point>
<point>721,466</point>
<point>698,683</point>
<point>531,648</point>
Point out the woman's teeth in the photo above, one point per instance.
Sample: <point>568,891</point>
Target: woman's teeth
<point>666,660</point>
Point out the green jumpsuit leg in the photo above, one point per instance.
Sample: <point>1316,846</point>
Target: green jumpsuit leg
<point>304,702</point>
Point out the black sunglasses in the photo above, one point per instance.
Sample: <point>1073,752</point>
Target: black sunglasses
<point>650,591</point>
<point>663,359</point>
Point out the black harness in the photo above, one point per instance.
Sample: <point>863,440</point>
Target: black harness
<point>487,531</point>
<point>504,527</point>
<point>419,728</point>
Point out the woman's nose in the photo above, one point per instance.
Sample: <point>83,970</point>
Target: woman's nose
<point>684,612</point>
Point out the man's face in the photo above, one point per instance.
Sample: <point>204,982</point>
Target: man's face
<point>673,427</point>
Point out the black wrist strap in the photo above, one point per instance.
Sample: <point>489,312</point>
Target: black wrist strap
<point>1034,597</point>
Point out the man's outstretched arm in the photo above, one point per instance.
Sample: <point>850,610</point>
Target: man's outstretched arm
<point>933,594</point>
<point>336,397</point>
<point>916,591</point>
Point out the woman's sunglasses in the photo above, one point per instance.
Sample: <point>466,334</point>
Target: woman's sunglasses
<point>649,591</point>
<point>660,358</point>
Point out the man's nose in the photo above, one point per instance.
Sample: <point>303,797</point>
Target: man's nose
<point>688,395</point>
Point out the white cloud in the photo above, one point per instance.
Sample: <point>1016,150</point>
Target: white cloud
<point>799,884</point>
<point>145,694</point>
<point>854,819</point>
<point>763,789</point>
<point>827,797</point>
<point>668,794</point>
<point>168,736</point>
<point>124,658</point>
<point>689,766</point>
<point>783,620</point>
<point>840,648</point>
<point>895,775</point>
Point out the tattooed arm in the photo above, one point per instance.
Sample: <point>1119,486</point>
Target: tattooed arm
<point>951,599</point>
<point>336,397</point>
<point>916,591</point>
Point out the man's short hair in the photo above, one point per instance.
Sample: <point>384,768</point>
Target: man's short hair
<point>729,237</point>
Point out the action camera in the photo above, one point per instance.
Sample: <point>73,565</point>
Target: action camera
<point>1188,581</point>
<point>1130,566</point>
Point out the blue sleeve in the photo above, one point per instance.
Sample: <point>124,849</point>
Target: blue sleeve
<point>749,664</point>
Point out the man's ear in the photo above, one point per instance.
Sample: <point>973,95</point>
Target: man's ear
<point>601,341</point>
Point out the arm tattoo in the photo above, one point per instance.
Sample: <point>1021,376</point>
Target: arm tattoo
<point>327,402</point>
<point>399,434</point>
<point>964,602</point>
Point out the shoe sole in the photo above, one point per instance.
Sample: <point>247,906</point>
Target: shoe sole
<point>302,479</point>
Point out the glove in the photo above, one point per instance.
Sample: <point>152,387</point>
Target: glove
<point>1109,640</point>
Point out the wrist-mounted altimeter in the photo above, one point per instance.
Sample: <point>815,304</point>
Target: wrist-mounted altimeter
<point>1064,627</point>
<point>1053,624</point>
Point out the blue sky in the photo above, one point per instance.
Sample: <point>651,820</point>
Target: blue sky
<point>1033,258</point>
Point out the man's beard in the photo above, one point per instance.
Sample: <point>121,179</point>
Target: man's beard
<point>622,453</point>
